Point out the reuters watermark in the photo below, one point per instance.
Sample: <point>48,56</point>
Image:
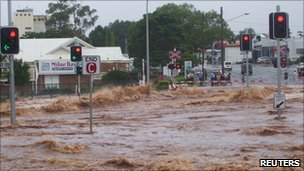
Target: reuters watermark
<point>280,163</point>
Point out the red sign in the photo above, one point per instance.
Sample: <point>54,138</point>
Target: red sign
<point>173,54</point>
<point>91,67</point>
<point>282,49</point>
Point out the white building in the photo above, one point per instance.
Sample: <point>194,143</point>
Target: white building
<point>51,65</point>
<point>26,21</point>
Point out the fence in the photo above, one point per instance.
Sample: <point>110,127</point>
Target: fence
<point>31,90</point>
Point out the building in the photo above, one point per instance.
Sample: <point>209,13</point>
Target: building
<point>51,66</point>
<point>267,47</point>
<point>26,21</point>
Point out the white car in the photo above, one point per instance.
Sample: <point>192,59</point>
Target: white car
<point>228,65</point>
<point>264,60</point>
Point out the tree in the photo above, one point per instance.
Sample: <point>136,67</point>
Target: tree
<point>248,30</point>
<point>180,26</point>
<point>68,19</point>
<point>22,75</point>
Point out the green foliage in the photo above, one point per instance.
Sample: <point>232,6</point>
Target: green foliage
<point>300,59</point>
<point>22,75</point>
<point>68,19</point>
<point>117,77</point>
<point>180,26</point>
<point>180,78</point>
<point>163,85</point>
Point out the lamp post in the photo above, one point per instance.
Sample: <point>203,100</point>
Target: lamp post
<point>222,36</point>
<point>147,44</point>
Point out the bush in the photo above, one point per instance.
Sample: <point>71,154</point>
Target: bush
<point>163,85</point>
<point>180,78</point>
<point>117,77</point>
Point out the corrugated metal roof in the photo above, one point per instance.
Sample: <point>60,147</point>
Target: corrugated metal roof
<point>57,48</point>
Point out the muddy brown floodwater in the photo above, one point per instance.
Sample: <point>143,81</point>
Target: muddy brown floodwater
<point>137,128</point>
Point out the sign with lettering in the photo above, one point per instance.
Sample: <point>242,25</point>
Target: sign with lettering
<point>57,67</point>
<point>90,64</point>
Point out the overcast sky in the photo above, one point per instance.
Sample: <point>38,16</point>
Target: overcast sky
<point>109,11</point>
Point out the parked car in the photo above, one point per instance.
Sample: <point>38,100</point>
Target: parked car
<point>264,60</point>
<point>228,65</point>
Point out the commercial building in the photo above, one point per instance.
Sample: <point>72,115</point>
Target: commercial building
<point>51,66</point>
<point>26,21</point>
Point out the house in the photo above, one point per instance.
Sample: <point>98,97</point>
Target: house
<point>50,63</point>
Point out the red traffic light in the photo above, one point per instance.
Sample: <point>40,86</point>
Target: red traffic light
<point>280,18</point>
<point>283,59</point>
<point>178,66</point>
<point>246,38</point>
<point>12,34</point>
<point>78,49</point>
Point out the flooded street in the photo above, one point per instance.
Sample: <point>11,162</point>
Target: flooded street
<point>195,128</point>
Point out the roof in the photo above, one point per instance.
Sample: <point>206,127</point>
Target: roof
<point>59,48</point>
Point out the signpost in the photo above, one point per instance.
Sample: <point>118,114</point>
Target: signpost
<point>279,101</point>
<point>91,66</point>
<point>278,30</point>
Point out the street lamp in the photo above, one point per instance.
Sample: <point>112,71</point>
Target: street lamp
<point>147,44</point>
<point>222,35</point>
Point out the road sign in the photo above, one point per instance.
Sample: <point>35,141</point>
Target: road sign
<point>283,49</point>
<point>175,54</point>
<point>188,65</point>
<point>90,64</point>
<point>279,101</point>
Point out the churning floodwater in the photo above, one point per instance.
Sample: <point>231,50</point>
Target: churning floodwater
<point>138,128</point>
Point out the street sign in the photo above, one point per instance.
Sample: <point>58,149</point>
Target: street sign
<point>279,101</point>
<point>90,64</point>
<point>283,49</point>
<point>175,54</point>
<point>188,65</point>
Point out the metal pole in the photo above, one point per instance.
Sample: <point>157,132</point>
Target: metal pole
<point>143,70</point>
<point>279,72</point>
<point>222,39</point>
<point>91,89</point>
<point>147,45</point>
<point>78,85</point>
<point>12,74</point>
<point>247,70</point>
<point>78,77</point>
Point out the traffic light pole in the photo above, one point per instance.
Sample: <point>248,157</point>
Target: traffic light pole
<point>12,73</point>
<point>247,70</point>
<point>279,72</point>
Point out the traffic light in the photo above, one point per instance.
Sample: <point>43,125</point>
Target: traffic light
<point>171,66</point>
<point>271,26</point>
<point>246,42</point>
<point>274,62</point>
<point>9,40</point>
<point>79,69</point>
<point>178,66</point>
<point>283,62</point>
<point>280,25</point>
<point>76,53</point>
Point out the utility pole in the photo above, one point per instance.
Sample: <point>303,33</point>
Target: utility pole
<point>12,71</point>
<point>222,39</point>
<point>147,43</point>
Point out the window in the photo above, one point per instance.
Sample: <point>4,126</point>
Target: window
<point>16,15</point>
<point>29,14</point>
<point>28,28</point>
<point>24,14</point>
<point>20,14</point>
